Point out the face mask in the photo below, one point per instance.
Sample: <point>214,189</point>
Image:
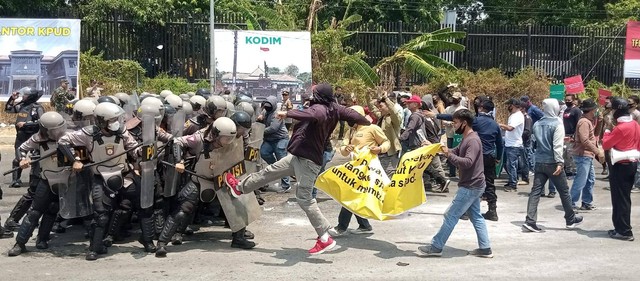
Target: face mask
<point>114,126</point>
<point>461,129</point>
<point>568,103</point>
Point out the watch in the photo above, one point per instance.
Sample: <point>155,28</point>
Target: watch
<point>77,158</point>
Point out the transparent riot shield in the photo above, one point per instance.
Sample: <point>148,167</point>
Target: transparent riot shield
<point>252,157</point>
<point>132,106</point>
<point>172,178</point>
<point>74,197</point>
<point>147,162</point>
<point>240,211</point>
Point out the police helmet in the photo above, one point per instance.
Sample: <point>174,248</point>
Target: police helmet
<point>245,107</point>
<point>83,108</point>
<point>215,107</point>
<point>151,110</point>
<point>187,108</point>
<point>123,97</point>
<point>52,125</point>
<point>109,116</point>
<point>174,101</point>
<point>242,118</point>
<point>203,92</point>
<point>108,99</point>
<point>166,93</point>
<point>197,102</point>
<point>224,129</point>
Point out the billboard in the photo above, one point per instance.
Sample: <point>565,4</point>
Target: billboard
<point>38,53</point>
<point>632,50</point>
<point>263,63</point>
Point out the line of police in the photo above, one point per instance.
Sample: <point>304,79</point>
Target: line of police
<point>105,159</point>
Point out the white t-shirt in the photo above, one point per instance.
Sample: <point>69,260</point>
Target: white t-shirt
<point>513,138</point>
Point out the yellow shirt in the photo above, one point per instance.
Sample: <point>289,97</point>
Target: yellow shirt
<point>370,136</point>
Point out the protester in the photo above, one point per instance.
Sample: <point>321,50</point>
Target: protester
<point>585,148</point>
<point>431,133</point>
<point>276,139</point>
<point>448,125</point>
<point>305,158</point>
<point>525,164</point>
<point>471,186</point>
<point>389,120</point>
<point>362,136</point>
<point>570,120</point>
<point>624,138</point>
<point>513,142</point>
<point>549,134</point>
<point>635,115</point>
<point>286,105</point>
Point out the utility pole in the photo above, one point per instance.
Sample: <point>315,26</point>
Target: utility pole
<point>235,58</point>
<point>212,51</point>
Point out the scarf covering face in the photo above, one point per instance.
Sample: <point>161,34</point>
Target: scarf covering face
<point>323,94</point>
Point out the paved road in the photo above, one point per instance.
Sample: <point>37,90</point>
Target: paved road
<point>284,235</point>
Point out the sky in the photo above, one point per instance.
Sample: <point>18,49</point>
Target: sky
<point>49,45</point>
<point>294,48</point>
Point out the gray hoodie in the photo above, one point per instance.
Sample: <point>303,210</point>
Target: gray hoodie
<point>275,128</point>
<point>549,134</point>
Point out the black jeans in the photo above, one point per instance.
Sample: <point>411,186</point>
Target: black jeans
<point>345,218</point>
<point>489,179</point>
<point>544,172</point>
<point>621,181</point>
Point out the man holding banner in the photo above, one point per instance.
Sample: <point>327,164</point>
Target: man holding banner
<point>361,136</point>
<point>468,158</point>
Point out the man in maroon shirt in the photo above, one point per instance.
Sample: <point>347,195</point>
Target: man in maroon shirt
<point>625,138</point>
<point>306,149</point>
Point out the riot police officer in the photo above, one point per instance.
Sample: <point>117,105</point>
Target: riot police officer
<point>107,142</point>
<point>201,145</point>
<point>45,205</point>
<point>214,108</point>
<point>29,112</point>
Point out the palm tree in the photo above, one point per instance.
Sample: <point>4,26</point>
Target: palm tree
<point>420,55</point>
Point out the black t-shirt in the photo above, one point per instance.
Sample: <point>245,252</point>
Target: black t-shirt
<point>570,119</point>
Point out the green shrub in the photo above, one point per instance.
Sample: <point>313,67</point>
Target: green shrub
<point>116,75</point>
<point>164,82</point>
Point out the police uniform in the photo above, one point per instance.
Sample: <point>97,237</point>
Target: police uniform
<point>108,177</point>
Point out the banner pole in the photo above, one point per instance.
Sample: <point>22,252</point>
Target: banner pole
<point>212,52</point>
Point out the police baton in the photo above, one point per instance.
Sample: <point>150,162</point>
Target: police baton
<point>185,170</point>
<point>113,157</point>
<point>33,161</point>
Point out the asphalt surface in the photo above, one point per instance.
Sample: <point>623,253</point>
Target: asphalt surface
<point>284,235</point>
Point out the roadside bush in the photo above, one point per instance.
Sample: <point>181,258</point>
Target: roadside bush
<point>116,75</point>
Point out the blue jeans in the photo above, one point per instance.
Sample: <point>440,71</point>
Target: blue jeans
<point>528,150</point>
<point>466,200</point>
<point>584,181</point>
<point>272,151</point>
<point>326,158</point>
<point>512,154</point>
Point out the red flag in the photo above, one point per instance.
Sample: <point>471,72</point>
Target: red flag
<point>602,96</point>
<point>574,84</point>
<point>264,49</point>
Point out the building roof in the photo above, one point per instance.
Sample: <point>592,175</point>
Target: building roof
<point>255,75</point>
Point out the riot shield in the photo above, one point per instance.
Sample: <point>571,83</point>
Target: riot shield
<point>242,211</point>
<point>172,178</point>
<point>74,197</point>
<point>132,106</point>
<point>147,162</point>
<point>252,159</point>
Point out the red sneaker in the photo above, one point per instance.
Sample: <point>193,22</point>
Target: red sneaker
<point>321,247</point>
<point>232,183</point>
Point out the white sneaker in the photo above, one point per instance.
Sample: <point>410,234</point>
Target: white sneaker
<point>362,231</point>
<point>336,232</point>
<point>635,190</point>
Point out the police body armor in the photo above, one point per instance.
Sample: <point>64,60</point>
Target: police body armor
<point>104,148</point>
<point>240,212</point>
<point>74,200</point>
<point>252,157</point>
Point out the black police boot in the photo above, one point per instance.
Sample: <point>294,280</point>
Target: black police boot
<point>146,238</point>
<point>170,227</point>
<point>18,211</point>
<point>239,240</point>
<point>17,250</point>
<point>492,214</point>
<point>15,179</point>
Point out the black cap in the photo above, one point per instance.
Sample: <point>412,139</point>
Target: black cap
<point>513,102</point>
<point>588,105</point>
<point>487,104</point>
<point>525,99</point>
<point>619,103</point>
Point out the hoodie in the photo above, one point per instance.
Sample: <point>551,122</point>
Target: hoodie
<point>275,128</point>
<point>317,122</point>
<point>549,134</point>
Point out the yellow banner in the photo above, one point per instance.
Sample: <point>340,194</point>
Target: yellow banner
<point>362,186</point>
